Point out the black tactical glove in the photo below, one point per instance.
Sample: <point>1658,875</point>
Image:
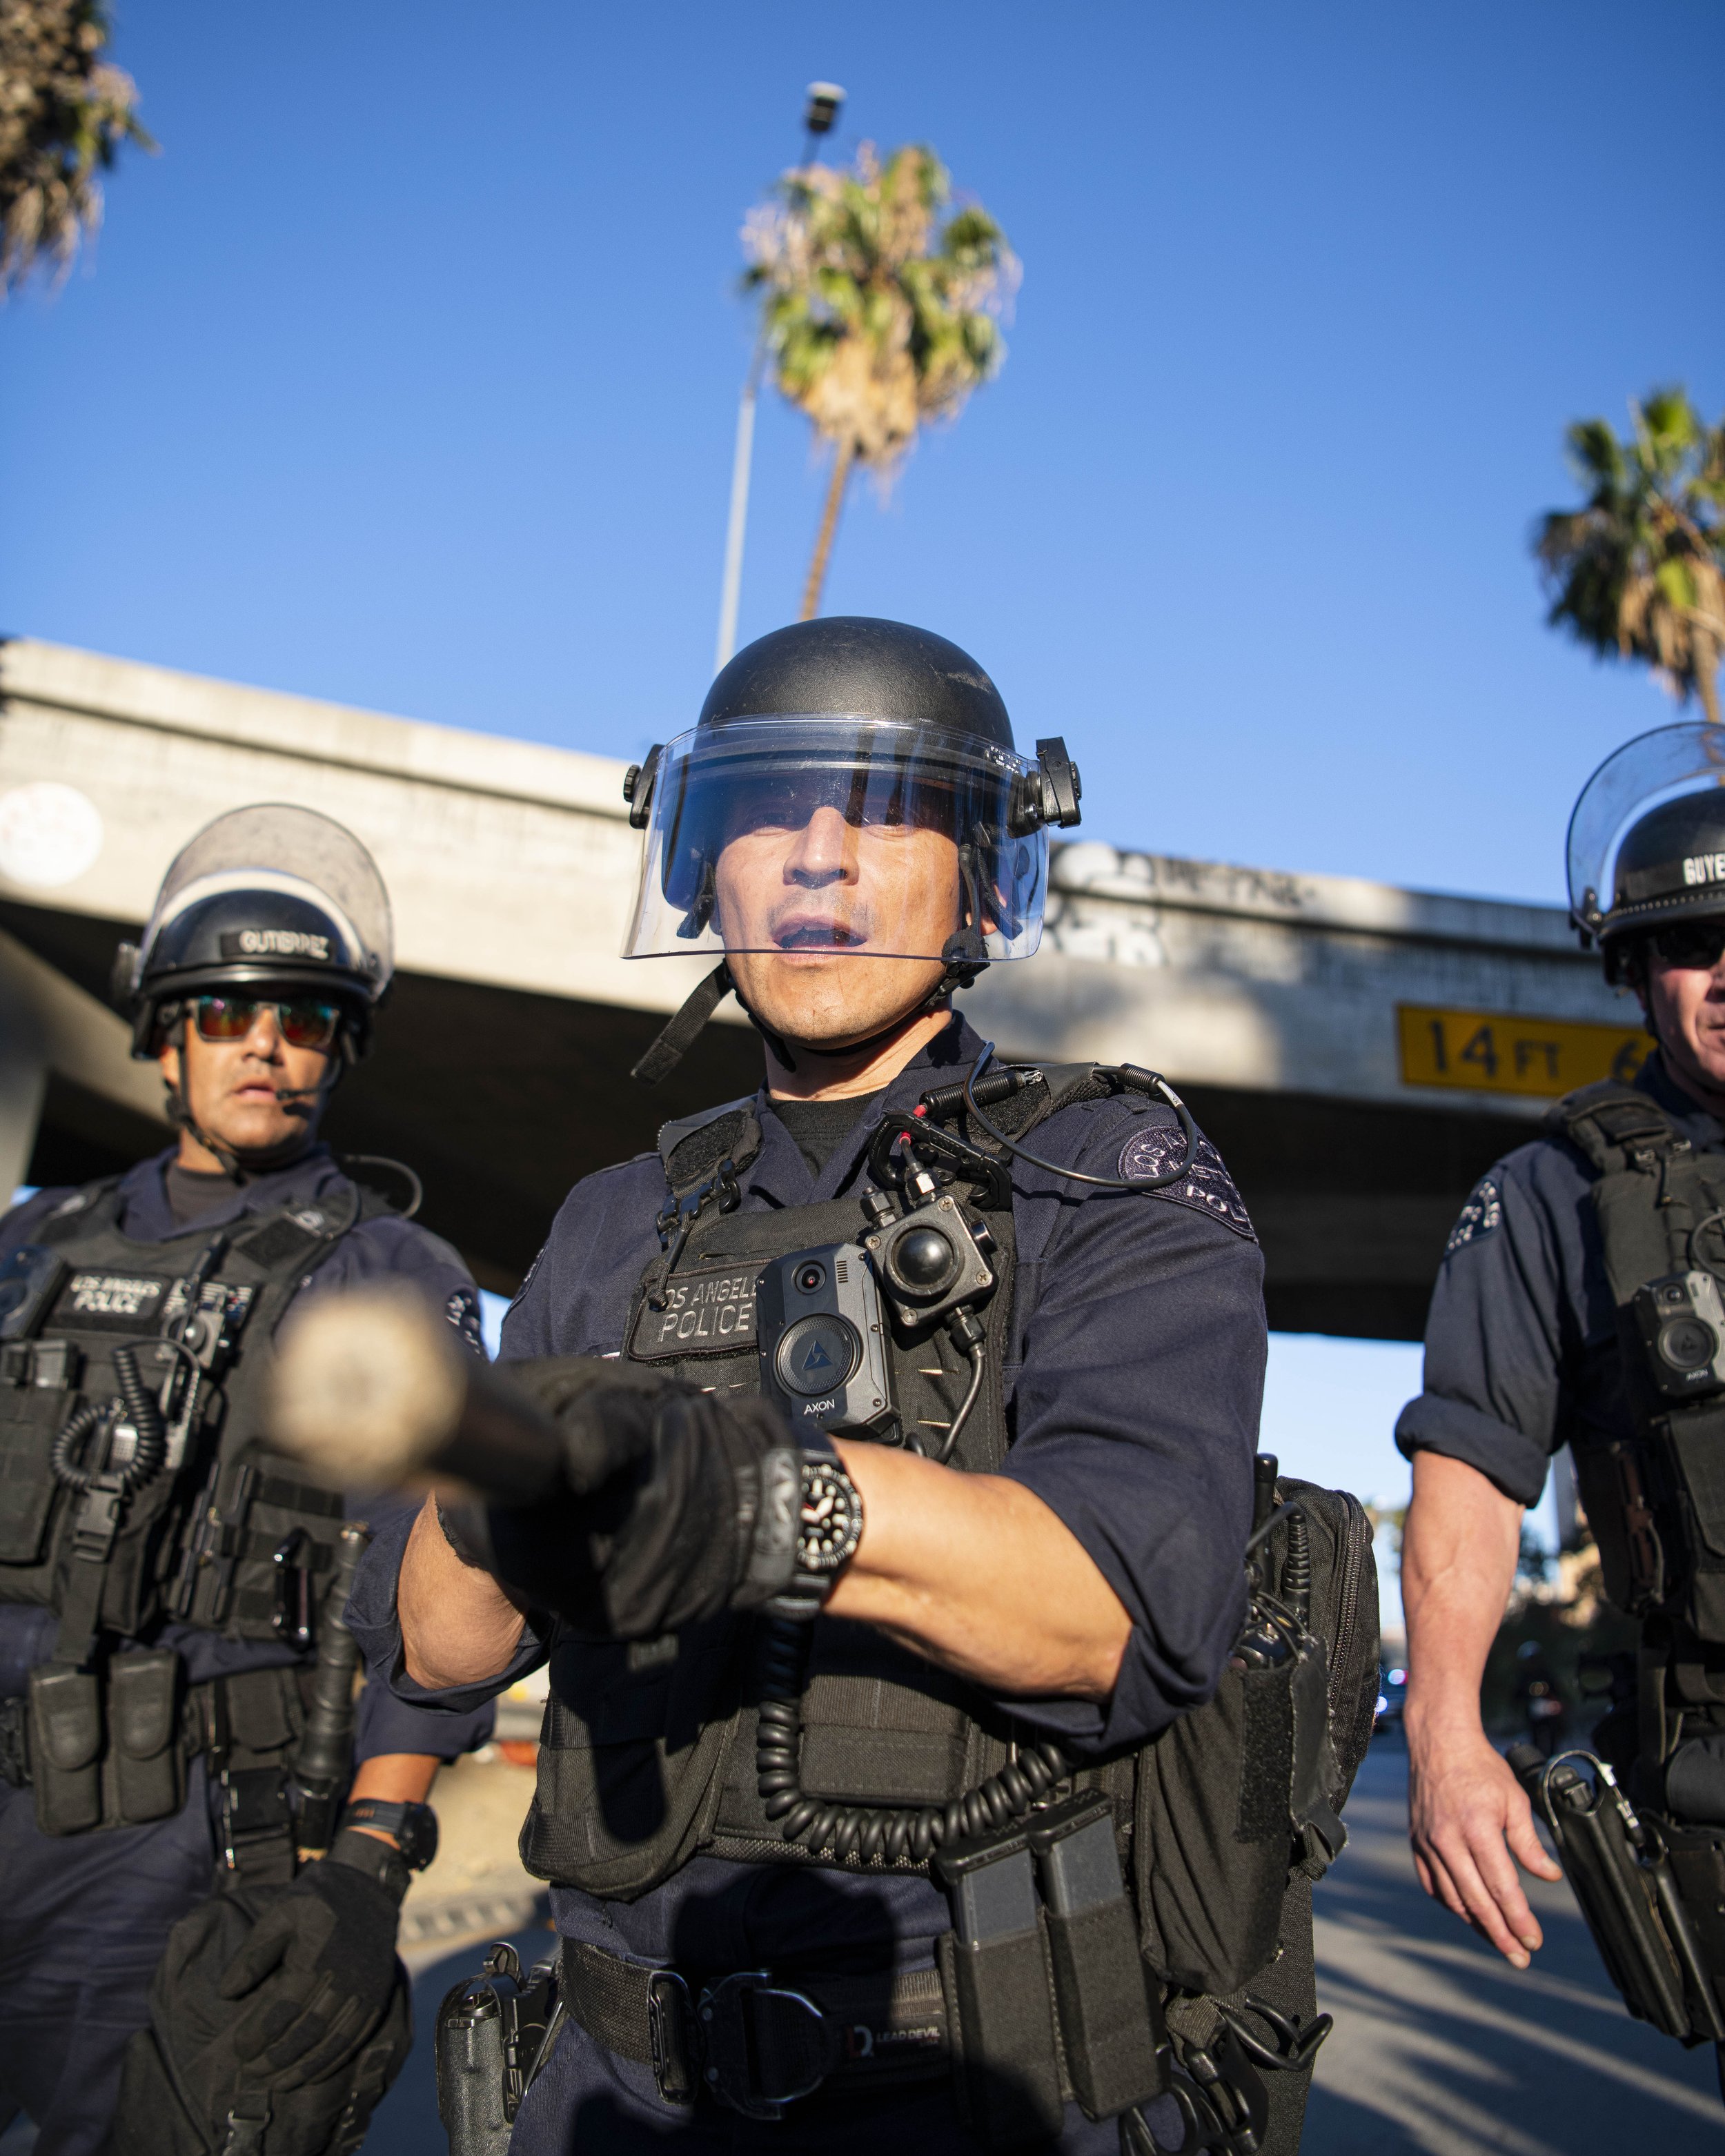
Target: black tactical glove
<point>318,1970</point>
<point>278,2035</point>
<point>681,1504</point>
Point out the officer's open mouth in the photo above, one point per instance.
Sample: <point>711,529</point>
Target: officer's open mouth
<point>803,931</point>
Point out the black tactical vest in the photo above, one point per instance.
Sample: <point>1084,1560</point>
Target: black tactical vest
<point>649,1752</point>
<point>1656,1500</point>
<point>669,1727</point>
<point>119,1512</point>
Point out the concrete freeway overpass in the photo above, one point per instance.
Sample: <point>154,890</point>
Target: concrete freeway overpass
<point>1358,1052</point>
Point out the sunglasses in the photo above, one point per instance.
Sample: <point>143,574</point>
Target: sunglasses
<point>1696,943</point>
<point>304,1022</point>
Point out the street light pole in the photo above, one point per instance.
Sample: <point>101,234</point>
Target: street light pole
<point>824,101</point>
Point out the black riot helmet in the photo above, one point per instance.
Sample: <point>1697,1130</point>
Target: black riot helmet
<point>1649,830</point>
<point>272,899</point>
<point>891,727</point>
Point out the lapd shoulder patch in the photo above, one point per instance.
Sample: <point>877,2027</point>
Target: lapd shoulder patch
<point>1481,1215</point>
<point>1207,1186</point>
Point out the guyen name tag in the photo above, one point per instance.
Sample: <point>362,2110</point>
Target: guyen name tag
<point>708,1311</point>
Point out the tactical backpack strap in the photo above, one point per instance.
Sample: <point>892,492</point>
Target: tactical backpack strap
<point>1039,1091</point>
<point>1614,1126</point>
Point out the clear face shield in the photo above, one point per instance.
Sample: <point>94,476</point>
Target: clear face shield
<point>856,837</point>
<point>1656,769</point>
<point>301,855</point>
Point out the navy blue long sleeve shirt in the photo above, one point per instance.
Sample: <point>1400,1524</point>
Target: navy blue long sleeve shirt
<point>1133,1383</point>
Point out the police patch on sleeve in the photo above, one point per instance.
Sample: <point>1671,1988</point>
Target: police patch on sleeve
<point>463,1311</point>
<point>1207,1186</point>
<point>1482,1214</point>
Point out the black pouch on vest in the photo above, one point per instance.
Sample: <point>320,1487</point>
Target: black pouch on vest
<point>994,1966</point>
<point>65,1748</point>
<point>1110,2014</point>
<point>144,1756</point>
<point>30,1417</point>
<point>1235,1795</point>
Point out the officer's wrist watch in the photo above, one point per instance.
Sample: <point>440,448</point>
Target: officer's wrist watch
<point>412,1828</point>
<point>829,1528</point>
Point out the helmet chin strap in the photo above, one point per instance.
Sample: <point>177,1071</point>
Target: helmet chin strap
<point>678,1035</point>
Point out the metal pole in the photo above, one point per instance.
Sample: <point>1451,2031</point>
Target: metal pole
<point>824,101</point>
<point>731,591</point>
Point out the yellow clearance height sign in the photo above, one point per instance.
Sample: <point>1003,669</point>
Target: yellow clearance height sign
<point>1492,1052</point>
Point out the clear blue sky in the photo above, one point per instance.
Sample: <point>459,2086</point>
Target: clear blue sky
<point>407,375</point>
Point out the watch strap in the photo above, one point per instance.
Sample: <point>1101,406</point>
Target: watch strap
<point>412,1825</point>
<point>376,1859</point>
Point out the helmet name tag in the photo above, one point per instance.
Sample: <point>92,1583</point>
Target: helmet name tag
<point>1704,868</point>
<point>276,943</point>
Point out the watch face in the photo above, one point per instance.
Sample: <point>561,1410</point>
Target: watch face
<point>831,1525</point>
<point>417,1837</point>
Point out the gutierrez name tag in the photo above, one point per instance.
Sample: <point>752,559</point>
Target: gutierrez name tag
<point>119,1303</point>
<point>708,1311</point>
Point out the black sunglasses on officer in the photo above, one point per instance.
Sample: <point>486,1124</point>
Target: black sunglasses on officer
<point>1697,944</point>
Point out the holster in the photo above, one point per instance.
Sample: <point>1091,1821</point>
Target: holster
<point>1641,1881</point>
<point>494,2033</point>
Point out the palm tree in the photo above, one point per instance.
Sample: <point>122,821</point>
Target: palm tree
<point>1636,572</point>
<point>65,112</point>
<point>878,316</point>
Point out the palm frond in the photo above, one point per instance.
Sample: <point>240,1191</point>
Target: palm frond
<point>1636,571</point>
<point>64,113</point>
<point>880,316</point>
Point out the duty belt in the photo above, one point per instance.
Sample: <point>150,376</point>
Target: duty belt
<point>754,2041</point>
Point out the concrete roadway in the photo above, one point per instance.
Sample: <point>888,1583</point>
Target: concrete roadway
<point>1440,2048</point>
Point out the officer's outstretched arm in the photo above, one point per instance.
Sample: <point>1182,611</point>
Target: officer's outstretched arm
<point>632,1505</point>
<point>1467,1816</point>
<point>977,1573</point>
<point>973,1571</point>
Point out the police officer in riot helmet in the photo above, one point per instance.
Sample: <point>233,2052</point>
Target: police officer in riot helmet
<point>911,1408</point>
<point>1579,1304</point>
<point>203,1888</point>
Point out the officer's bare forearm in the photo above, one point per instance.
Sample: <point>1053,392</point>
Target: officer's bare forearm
<point>1458,1548</point>
<point>458,1625</point>
<point>394,1778</point>
<point>1470,1823</point>
<point>975,1573</point>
